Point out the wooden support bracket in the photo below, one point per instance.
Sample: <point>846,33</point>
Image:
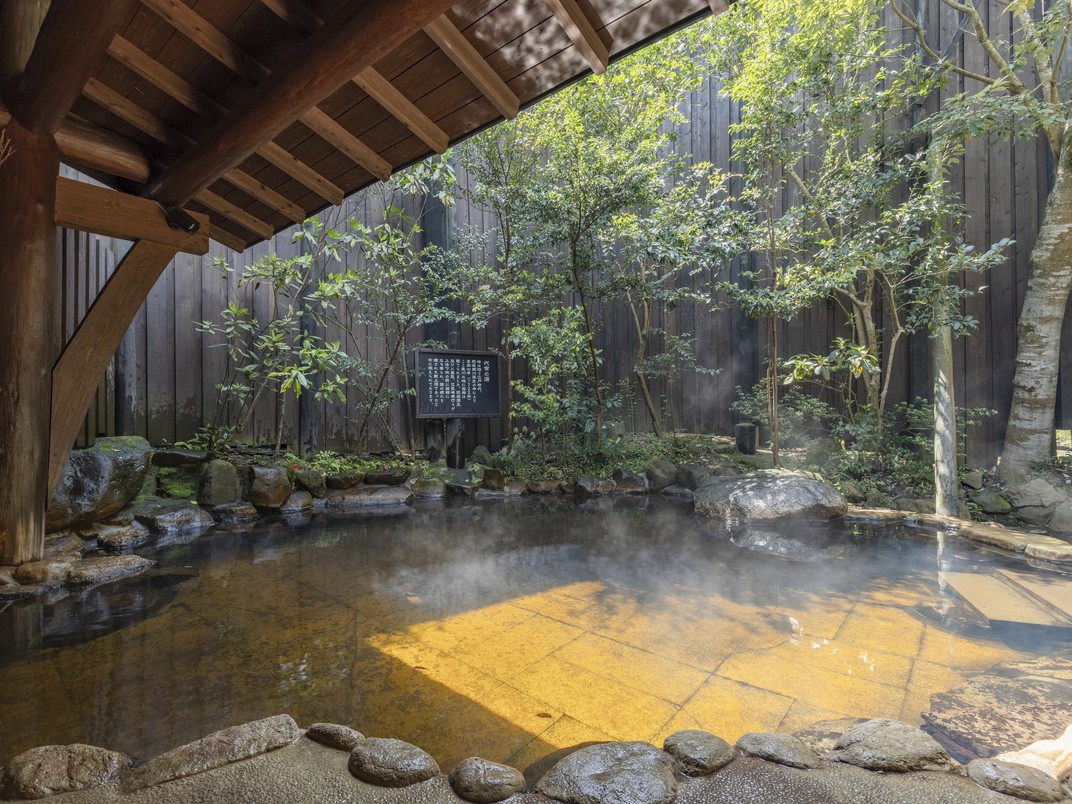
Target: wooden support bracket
<point>76,374</point>
<point>107,212</point>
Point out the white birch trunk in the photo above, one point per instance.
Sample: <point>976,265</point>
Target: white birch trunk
<point>1029,435</point>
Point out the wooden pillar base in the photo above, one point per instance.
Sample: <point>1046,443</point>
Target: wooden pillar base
<point>27,349</point>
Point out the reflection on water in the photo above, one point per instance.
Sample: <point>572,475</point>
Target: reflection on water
<point>502,629</point>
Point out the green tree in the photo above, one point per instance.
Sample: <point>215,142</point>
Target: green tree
<point>558,177</point>
<point>1022,93</point>
<point>847,204</point>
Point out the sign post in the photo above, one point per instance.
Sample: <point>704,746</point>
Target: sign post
<point>454,385</point>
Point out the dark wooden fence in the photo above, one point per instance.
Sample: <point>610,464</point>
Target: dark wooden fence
<point>162,385</point>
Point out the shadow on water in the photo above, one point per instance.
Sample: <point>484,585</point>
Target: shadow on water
<point>419,622</point>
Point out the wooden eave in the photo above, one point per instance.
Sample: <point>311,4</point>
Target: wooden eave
<point>173,96</point>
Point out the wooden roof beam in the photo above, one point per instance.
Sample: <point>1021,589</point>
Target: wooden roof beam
<point>179,89</point>
<point>580,29</point>
<point>218,45</point>
<point>90,147</point>
<point>124,109</point>
<point>358,35</point>
<point>717,6</point>
<point>370,81</point>
<point>474,66</point>
<point>79,31</point>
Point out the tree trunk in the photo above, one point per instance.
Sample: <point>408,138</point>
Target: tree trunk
<point>945,424</point>
<point>1028,439</point>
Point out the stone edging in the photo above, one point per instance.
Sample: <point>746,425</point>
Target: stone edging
<point>692,766</point>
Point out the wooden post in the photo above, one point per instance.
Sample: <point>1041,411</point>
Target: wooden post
<point>27,231</point>
<point>27,266</point>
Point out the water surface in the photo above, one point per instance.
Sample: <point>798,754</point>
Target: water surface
<point>505,629</point>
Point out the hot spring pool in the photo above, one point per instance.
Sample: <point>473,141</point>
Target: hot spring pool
<point>504,629</point>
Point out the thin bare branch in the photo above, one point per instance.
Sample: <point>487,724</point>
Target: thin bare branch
<point>932,54</point>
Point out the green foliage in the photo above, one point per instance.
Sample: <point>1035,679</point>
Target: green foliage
<point>275,355</point>
<point>591,204</point>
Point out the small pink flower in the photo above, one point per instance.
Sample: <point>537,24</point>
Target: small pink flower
<point>386,468</point>
<point>297,468</point>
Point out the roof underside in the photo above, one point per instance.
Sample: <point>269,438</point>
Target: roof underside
<point>177,69</point>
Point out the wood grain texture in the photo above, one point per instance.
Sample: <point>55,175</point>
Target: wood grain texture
<point>355,38</point>
<point>27,272</point>
<point>89,351</point>
<point>453,42</point>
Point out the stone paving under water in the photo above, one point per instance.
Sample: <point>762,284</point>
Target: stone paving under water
<point>505,630</point>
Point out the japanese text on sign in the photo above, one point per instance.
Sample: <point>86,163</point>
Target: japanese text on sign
<point>457,384</point>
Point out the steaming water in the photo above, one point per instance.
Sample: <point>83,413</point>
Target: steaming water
<point>503,629</point>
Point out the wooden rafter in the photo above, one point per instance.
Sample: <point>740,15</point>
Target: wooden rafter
<point>580,29</point>
<point>474,66</point>
<point>109,213</point>
<point>79,30</point>
<point>124,109</point>
<point>375,85</point>
<point>179,89</point>
<point>216,44</point>
<point>221,235</point>
<point>235,213</point>
<point>399,106</point>
<point>717,6</point>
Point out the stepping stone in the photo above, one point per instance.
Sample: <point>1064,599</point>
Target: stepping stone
<point>1000,602</point>
<point>1052,590</point>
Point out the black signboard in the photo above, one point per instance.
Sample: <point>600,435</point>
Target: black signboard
<point>454,384</point>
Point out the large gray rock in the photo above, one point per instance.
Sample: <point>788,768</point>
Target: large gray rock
<point>780,748</point>
<point>698,752</point>
<point>1035,493</point>
<point>492,478</point>
<point>297,502</point>
<point>173,517</point>
<point>219,483</point>
<point>692,476</point>
<point>98,481</point>
<point>121,538</point>
<point>485,782</point>
<point>612,773</point>
<point>429,488</point>
<point>47,573</point>
<point>218,749</point>
<point>768,494</point>
<point>594,485</point>
<point>54,769</point>
<point>342,738</point>
<point>1014,779</point>
<point>270,486</point>
<point>891,747</point>
<point>391,763</point>
<point>660,473</point>
<point>627,482</point>
<point>990,502</point>
<point>1061,521</point>
<point>107,569</point>
<point>369,497</point>
<point>314,482</point>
